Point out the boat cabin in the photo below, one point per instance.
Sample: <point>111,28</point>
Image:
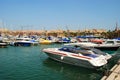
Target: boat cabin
<point>77,49</point>
<point>113,41</point>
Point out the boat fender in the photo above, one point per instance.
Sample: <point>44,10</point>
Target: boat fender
<point>62,57</point>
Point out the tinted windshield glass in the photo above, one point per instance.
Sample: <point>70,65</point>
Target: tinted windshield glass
<point>118,41</point>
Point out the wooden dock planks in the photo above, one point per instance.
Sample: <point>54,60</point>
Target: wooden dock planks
<point>114,73</point>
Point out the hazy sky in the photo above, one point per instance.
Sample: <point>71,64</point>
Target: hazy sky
<point>59,14</point>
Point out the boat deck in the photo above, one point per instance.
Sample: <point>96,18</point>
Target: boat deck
<point>114,73</point>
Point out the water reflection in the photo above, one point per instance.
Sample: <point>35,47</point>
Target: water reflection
<point>72,72</point>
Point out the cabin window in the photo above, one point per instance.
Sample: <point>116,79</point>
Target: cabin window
<point>26,40</point>
<point>110,42</point>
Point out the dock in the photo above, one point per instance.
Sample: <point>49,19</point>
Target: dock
<point>114,73</point>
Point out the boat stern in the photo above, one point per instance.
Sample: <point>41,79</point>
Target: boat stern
<point>99,61</point>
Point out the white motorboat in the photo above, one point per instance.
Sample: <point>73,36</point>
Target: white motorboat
<point>75,55</point>
<point>110,44</point>
<point>24,42</point>
<point>2,44</point>
<point>85,44</point>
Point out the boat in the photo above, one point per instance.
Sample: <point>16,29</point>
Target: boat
<point>24,42</point>
<point>3,44</point>
<point>79,56</point>
<point>110,44</point>
<point>85,44</point>
<point>44,41</point>
<point>63,40</point>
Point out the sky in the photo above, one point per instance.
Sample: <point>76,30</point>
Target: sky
<point>59,14</point>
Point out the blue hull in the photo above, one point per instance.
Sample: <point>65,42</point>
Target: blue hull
<point>22,44</point>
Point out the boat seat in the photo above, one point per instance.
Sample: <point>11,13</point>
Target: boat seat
<point>87,53</point>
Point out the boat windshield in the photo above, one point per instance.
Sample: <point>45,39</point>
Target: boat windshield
<point>68,49</point>
<point>96,51</point>
<point>77,49</point>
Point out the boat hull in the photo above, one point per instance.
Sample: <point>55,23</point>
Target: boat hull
<point>71,60</point>
<point>22,44</point>
<point>112,48</point>
<point>45,42</point>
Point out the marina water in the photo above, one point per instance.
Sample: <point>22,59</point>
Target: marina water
<point>30,63</point>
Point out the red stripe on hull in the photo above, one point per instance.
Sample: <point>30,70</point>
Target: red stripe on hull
<point>62,54</point>
<point>56,53</point>
<point>80,56</point>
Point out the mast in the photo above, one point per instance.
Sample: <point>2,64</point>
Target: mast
<point>116,27</point>
<point>68,31</point>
